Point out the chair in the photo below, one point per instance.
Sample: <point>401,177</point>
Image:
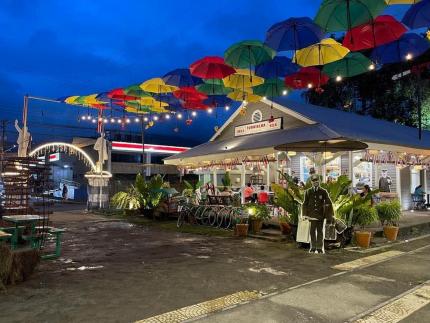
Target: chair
<point>418,202</point>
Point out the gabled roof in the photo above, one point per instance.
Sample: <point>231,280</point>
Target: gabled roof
<point>358,127</point>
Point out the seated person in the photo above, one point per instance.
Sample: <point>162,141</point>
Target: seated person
<point>366,190</point>
<point>248,193</point>
<point>263,196</point>
<point>419,192</point>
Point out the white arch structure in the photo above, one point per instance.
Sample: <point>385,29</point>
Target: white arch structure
<point>48,147</point>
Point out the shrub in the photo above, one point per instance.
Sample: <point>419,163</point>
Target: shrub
<point>257,211</point>
<point>389,212</point>
<point>364,215</point>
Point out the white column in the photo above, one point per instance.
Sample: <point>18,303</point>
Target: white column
<point>399,185</point>
<point>242,182</point>
<point>350,165</point>
<point>277,168</point>
<point>215,180</point>
<point>148,163</point>
<point>268,175</point>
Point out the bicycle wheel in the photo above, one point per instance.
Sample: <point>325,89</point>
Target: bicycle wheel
<point>212,216</point>
<point>222,215</point>
<point>206,215</point>
<point>184,213</point>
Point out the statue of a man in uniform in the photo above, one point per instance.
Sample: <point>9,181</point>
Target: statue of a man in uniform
<point>318,208</point>
<point>23,140</point>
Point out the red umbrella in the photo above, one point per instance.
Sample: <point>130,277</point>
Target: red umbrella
<point>306,77</point>
<point>211,67</point>
<point>119,94</point>
<point>189,93</point>
<point>383,30</point>
<point>194,105</point>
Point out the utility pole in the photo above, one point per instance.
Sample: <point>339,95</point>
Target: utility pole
<point>3,125</point>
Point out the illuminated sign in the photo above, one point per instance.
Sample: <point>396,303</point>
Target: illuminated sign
<point>52,157</point>
<point>258,127</point>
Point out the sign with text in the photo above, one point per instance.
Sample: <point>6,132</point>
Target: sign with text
<point>258,127</point>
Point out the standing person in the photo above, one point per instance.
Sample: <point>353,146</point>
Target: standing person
<point>65,191</point>
<point>263,196</point>
<point>317,207</point>
<point>384,182</point>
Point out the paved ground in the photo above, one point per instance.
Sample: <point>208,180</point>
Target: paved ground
<point>119,272</point>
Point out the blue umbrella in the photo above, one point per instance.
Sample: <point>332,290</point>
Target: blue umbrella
<point>293,34</point>
<point>418,15</point>
<point>170,99</point>
<point>280,66</point>
<point>218,100</point>
<point>181,77</point>
<point>407,47</point>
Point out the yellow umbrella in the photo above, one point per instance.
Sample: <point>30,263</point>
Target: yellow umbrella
<point>239,95</point>
<point>71,99</point>
<point>91,99</point>
<point>390,2</point>
<point>327,51</point>
<point>134,110</point>
<point>150,101</point>
<point>157,85</point>
<point>242,79</point>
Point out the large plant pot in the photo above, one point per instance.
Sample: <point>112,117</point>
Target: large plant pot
<point>148,213</point>
<point>241,229</point>
<point>390,232</point>
<point>362,238</point>
<point>256,225</point>
<point>285,228</point>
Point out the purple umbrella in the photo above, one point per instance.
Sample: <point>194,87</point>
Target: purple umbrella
<point>418,15</point>
<point>181,77</point>
<point>280,66</point>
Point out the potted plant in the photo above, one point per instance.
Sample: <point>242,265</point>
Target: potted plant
<point>226,181</point>
<point>284,224</point>
<point>241,227</point>
<point>257,214</point>
<point>389,213</point>
<point>364,215</point>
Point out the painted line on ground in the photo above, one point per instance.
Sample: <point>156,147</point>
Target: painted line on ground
<point>397,308</point>
<point>391,245</point>
<point>203,309</point>
<point>366,261</point>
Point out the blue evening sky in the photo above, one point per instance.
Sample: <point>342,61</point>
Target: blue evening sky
<point>55,48</point>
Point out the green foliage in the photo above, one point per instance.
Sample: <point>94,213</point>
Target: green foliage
<point>257,211</point>
<point>190,188</point>
<point>226,180</point>
<point>284,219</point>
<point>389,212</point>
<point>365,214</point>
<point>142,195</point>
<point>290,199</point>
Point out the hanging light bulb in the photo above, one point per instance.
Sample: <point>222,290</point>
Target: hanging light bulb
<point>127,120</point>
<point>105,121</point>
<point>179,116</point>
<point>372,67</point>
<point>284,92</point>
<point>167,116</point>
<point>155,118</point>
<point>409,56</point>
<point>264,98</point>
<point>112,120</point>
<point>145,119</point>
<point>194,113</point>
<point>210,110</point>
<point>310,86</point>
<point>136,120</point>
<point>244,102</point>
<point>83,117</point>
<point>94,120</point>
<point>338,78</point>
<point>227,108</point>
<point>119,120</point>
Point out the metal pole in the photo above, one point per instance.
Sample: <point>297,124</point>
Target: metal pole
<point>142,134</point>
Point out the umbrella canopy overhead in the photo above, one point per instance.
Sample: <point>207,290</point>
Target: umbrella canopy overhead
<point>213,87</point>
<point>307,77</point>
<point>136,91</point>
<point>382,30</point>
<point>157,85</point>
<point>340,15</point>
<point>120,94</point>
<point>325,52</point>
<point>406,48</point>
<point>247,95</point>
<point>194,105</point>
<point>150,101</point>
<point>271,88</point>
<point>391,2</point>
<point>242,79</point>
<point>189,93</point>
<point>418,15</point>
<point>293,34</point>
<point>211,67</point>
<point>248,53</point>
<point>181,77</point>
<point>217,101</point>
<point>168,98</point>
<point>280,66</point>
<point>351,65</point>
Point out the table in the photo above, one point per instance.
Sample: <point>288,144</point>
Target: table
<point>18,220</point>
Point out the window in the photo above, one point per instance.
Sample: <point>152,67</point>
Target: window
<point>415,179</point>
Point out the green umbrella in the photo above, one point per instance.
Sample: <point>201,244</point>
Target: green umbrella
<point>270,88</point>
<point>248,53</point>
<point>213,87</point>
<point>340,15</point>
<point>135,90</point>
<point>352,64</point>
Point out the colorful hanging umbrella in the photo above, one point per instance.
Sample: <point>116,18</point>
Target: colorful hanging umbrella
<point>136,91</point>
<point>137,110</point>
<point>211,67</point>
<point>248,53</point>
<point>146,108</point>
<point>189,93</point>
<point>280,66</point>
<point>213,87</point>
<point>406,48</point>
<point>194,105</point>
<point>418,15</point>
<point>307,77</point>
<point>382,30</point>
<point>217,101</point>
<point>119,94</point>
<point>293,34</point>
<point>242,79</point>
<point>391,2</point>
<point>270,88</point>
<point>325,52</point>
<point>70,99</point>
<point>157,85</point>
<point>351,65</point>
<point>149,101</point>
<point>168,98</point>
<point>340,15</point>
<point>248,96</point>
<point>181,77</point>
